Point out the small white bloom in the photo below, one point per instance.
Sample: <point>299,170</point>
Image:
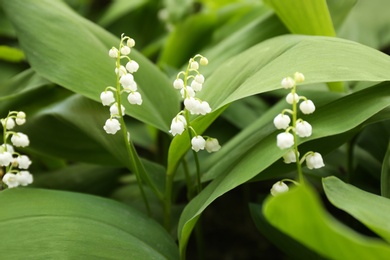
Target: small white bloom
<point>132,66</point>
<point>204,61</point>
<point>190,92</point>
<point>20,140</point>
<point>7,148</point>
<point>282,121</point>
<point>113,52</point>
<point>192,105</point>
<point>196,86</point>
<point>290,98</point>
<point>289,157</point>
<point>107,98</point>
<point>279,188</point>
<point>23,162</point>
<point>5,158</point>
<point>125,50</point>
<point>199,78</point>
<point>134,98</point>
<point>178,84</point>
<point>114,112</point>
<point>212,145</point>
<point>307,107</point>
<point>288,82</point>
<point>284,140</point>
<point>112,126</point>
<point>130,88</point>
<point>178,125</point>
<point>204,108</point>
<point>130,42</point>
<point>11,180</point>
<point>10,123</point>
<point>24,178</point>
<point>303,129</point>
<point>299,77</point>
<point>20,118</point>
<point>127,80</point>
<point>198,143</point>
<point>194,65</point>
<point>314,161</point>
<point>122,71</point>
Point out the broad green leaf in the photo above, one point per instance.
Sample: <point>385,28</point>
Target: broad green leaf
<point>299,214</point>
<point>73,53</point>
<point>304,16</point>
<point>256,150</point>
<point>291,247</point>
<point>372,210</point>
<point>339,10</point>
<point>321,59</point>
<point>118,8</point>
<point>385,175</point>
<point>63,225</point>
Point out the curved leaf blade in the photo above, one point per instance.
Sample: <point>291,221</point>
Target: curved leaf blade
<point>60,225</point>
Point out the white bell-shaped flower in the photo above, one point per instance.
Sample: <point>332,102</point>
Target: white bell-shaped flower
<point>303,129</point>
<point>199,78</point>
<point>198,143</point>
<point>23,162</point>
<point>279,188</point>
<point>204,61</point>
<point>178,125</point>
<point>132,66</point>
<point>20,140</point>
<point>135,98</point>
<point>212,145</point>
<point>194,65</point>
<point>187,92</point>
<point>107,98</point>
<point>307,107</point>
<point>288,82</point>
<point>114,110</point>
<point>5,158</point>
<point>10,123</point>
<point>299,77</point>
<point>11,180</point>
<point>125,50</point>
<point>127,80</point>
<point>204,108</point>
<point>24,178</point>
<point>284,140</point>
<point>289,157</point>
<point>20,118</point>
<point>122,71</point>
<point>314,161</point>
<point>178,84</point>
<point>112,126</point>
<point>196,85</point>
<point>290,98</point>
<point>282,121</point>
<point>113,52</point>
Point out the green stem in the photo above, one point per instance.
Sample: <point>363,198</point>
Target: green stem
<point>294,124</point>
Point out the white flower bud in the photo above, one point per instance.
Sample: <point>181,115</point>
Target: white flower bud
<point>198,143</point>
<point>284,140</point>
<point>24,178</point>
<point>288,83</point>
<point>122,71</point>
<point>125,50</point>
<point>212,145</point>
<point>11,180</point>
<point>282,121</point>
<point>107,98</point>
<point>132,66</point>
<point>289,157</point>
<point>135,98</point>
<point>127,80</point>
<point>204,61</point>
<point>303,129</point>
<point>314,161</point>
<point>130,42</point>
<point>114,112</point>
<point>307,107</point>
<point>279,188</point>
<point>199,78</point>
<point>194,65</point>
<point>290,98</point>
<point>196,86</point>
<point>299,77</point>
<point>113,52</point>
<point>178,84</point>
<point>20,118</point>
<point>20,140</point>
<point>112,126</point>
<point>10,123</point>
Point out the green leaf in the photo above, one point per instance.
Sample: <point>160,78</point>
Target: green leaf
<point>63,225</point>
<point>304,16</point>
<point>254,150</point>
<point>299,214</point>
<point>119,8</point>
<point>372,210</point>
<point>285,243</point>
<point>73,53</point>
<point>11,54</point>
<point>385,175</point>
<point>321,59</point>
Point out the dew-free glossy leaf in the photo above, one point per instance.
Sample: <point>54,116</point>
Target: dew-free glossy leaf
<point>43,224</point>
<point>299,214</point>
<point>372,210</point>
<point>73,53</point>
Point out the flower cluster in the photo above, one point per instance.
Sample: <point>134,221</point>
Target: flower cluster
<point>15,164</point>
<point>298,128</point>
<point>189,83</point>
<point>125,83</point>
